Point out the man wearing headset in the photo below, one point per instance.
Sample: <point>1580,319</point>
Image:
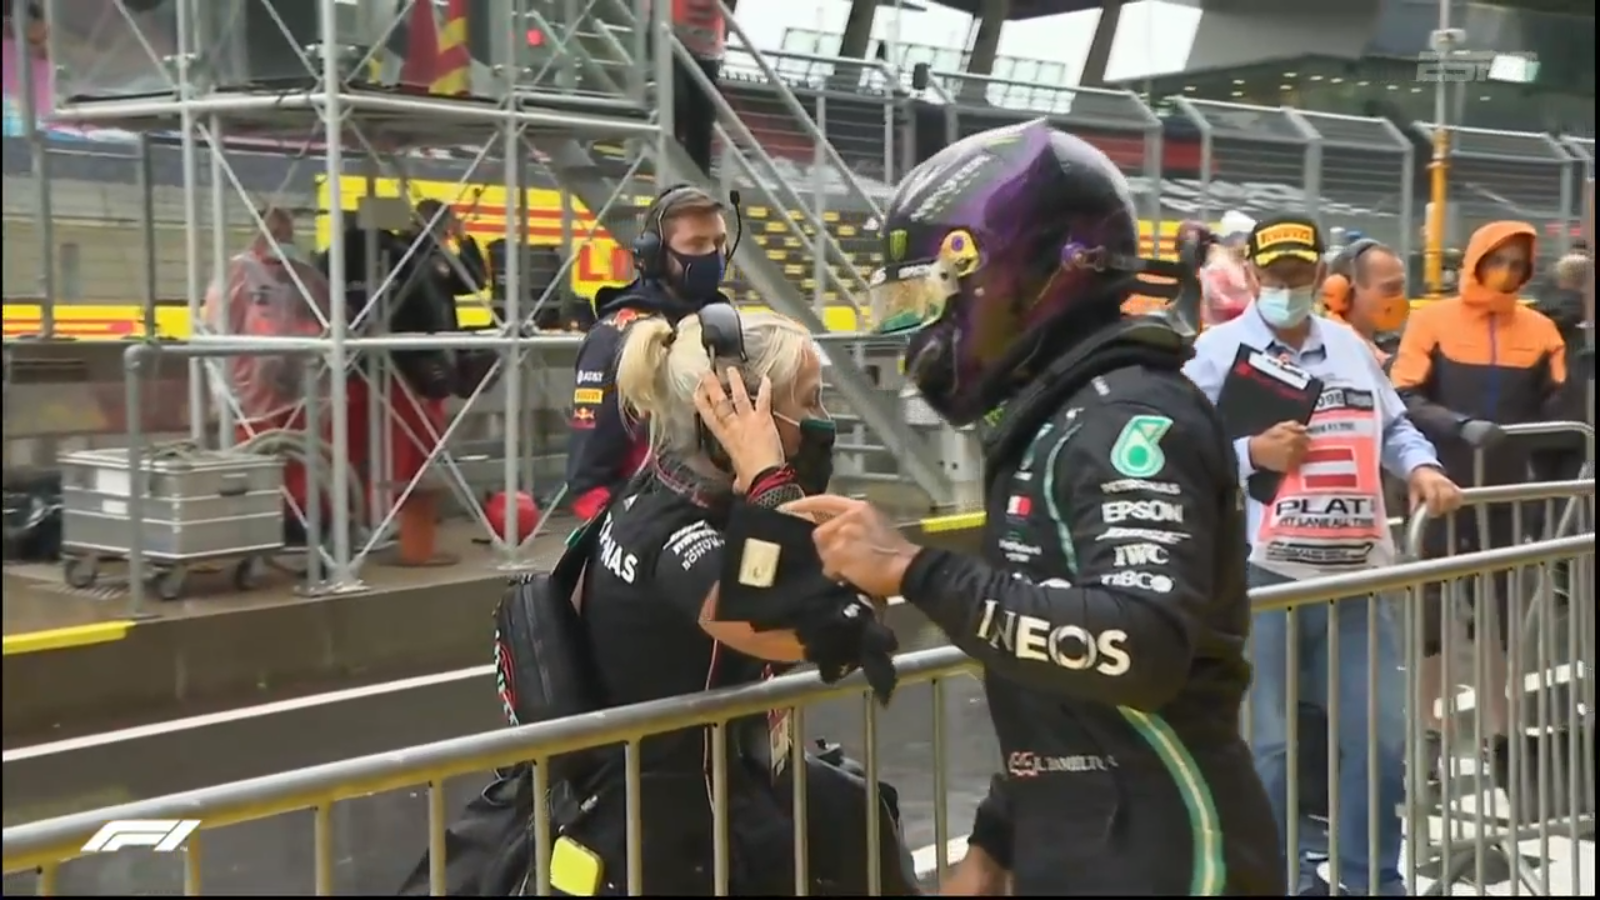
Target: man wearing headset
<point>1366,289</point>
<point>679,259</point>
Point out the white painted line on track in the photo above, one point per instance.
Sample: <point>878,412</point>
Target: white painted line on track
<point>175,726</point>
<point>310,701</point>
<point>926,859</point>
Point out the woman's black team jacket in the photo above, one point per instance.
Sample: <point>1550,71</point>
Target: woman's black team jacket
<point>659,555</point>
<point>1111,617</point>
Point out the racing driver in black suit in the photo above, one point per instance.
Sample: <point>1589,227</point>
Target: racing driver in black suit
<point>1109,608</point>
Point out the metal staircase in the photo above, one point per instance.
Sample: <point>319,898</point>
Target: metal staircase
<point>577,171</point>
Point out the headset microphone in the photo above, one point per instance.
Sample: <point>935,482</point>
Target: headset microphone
<point>738,221</point>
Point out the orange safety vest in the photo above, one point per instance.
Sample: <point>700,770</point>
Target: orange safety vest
<point>700,26</point>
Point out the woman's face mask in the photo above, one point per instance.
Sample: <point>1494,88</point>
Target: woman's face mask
<point>813,459</point>
<point>293,255</point>
<point>1284,307</point>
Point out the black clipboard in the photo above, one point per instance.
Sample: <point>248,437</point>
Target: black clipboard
<point>1258,392</point>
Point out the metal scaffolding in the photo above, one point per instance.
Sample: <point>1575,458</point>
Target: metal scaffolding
<point>364,127</point>
<point>355,125</point>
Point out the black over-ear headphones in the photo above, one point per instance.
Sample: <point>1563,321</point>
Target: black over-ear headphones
<point>722,335</point>
<point>649,248</point>
<point>1338,288</point>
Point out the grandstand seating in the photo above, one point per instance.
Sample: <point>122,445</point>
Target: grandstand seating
<point>97,204</point>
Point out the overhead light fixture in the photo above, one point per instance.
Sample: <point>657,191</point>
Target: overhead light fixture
<point>1290,74</point>
<point>1485,97</point>
<point>1285,87</point>
<point>1316,77</point>
<point>1392,87</point>
<point>1339,81</point>
<point>1238,81</point>
<point>1363,83</point>
<point>1416,90</point>
<point>1189,88</point>
<point>1238,93</point>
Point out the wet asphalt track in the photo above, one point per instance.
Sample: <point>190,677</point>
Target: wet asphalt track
<point>378,839</point>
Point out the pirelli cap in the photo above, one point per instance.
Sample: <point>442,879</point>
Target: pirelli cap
<point>1294,237</point>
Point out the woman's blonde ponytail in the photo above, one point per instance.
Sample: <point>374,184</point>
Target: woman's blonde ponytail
<point>642,366</point>
<point>660,368</point>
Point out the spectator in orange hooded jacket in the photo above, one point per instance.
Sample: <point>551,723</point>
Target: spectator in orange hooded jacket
<point>1482,355</point>
<point>1466,366</point>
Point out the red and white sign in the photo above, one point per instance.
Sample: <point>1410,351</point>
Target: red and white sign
<point>1331,468</point>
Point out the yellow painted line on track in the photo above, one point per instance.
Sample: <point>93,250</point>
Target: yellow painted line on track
<point>66,638</point>
<point>955,522</point>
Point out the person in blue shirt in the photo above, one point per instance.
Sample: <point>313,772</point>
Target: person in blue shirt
<point>1324,513</point>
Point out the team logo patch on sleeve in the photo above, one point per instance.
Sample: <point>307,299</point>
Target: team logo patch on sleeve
<point>622,318</point>
<point>1137,452</point>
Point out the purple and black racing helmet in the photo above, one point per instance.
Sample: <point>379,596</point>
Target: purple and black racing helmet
<point>993,249</point>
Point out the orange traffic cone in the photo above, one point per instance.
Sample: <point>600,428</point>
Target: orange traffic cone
<point>419,531</point>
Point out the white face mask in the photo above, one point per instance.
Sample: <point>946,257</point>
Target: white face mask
<point>292,254</point>
<point>1284,307</point>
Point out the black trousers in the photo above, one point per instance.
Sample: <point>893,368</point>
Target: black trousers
<point>694,112</point>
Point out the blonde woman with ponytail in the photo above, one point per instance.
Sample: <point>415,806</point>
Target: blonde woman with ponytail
<point>722,431</point>
<point>708,442</point>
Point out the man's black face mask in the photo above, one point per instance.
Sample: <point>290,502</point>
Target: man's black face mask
<point>701,275</point>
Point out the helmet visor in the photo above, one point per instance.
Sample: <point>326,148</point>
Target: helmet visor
<point>908,296</point>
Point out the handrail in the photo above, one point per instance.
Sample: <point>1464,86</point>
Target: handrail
<point>1417,528</point>
<point>890,74</point>
<point>48,842</point>
<point>777,190</point>
<point>1328,588</point>
<point>799,111</point>
<point>1151,120</point>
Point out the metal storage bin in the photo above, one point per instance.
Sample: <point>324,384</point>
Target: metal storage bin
<point>202,505</point>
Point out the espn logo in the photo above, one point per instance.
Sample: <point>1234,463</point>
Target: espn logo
<point>1475,66</point>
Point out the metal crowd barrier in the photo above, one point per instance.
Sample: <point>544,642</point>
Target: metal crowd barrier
<point>522,419</point>
<point>1476,830</point>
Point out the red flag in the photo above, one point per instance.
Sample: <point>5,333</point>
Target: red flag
<point>421,67</point>
<point>454,72</point>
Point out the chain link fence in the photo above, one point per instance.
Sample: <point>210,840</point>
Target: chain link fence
<point>1497,175</point>
<point>1582,150</point>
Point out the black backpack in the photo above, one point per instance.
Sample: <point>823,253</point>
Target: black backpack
<point>543,670</point>
<point>544,667</point>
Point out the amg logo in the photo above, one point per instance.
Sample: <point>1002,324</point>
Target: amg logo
<point>1140,555</point>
